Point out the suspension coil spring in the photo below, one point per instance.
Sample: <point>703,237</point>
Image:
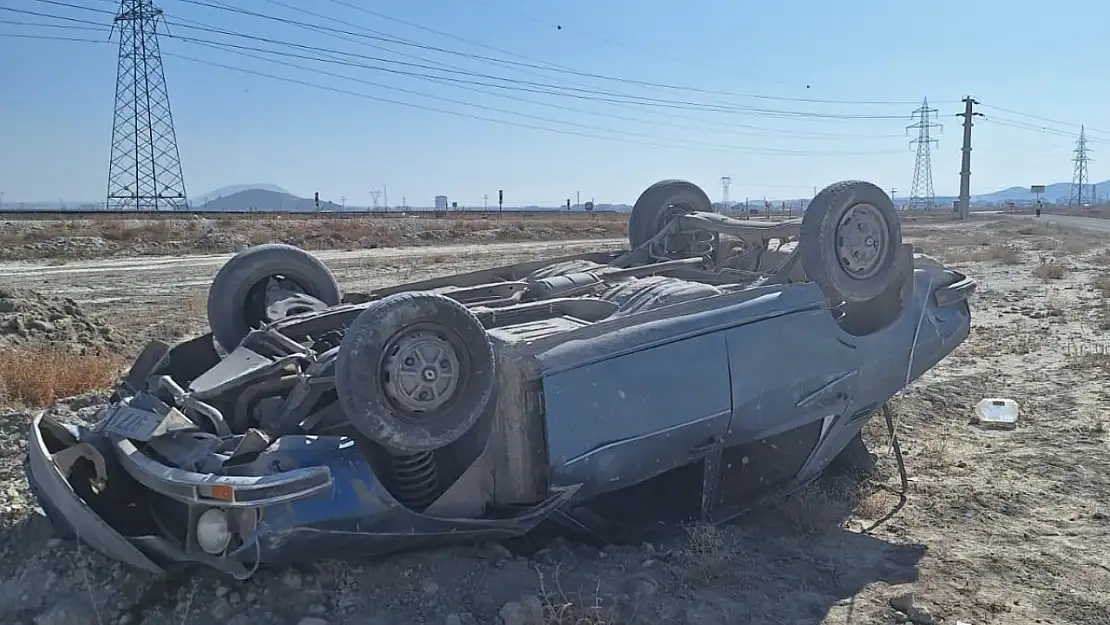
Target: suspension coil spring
<point>415,479</point>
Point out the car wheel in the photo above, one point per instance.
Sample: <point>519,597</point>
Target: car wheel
<point>658,205</point>
<point>850,240</point>
<point>236,299</point>
<point>415,372</point>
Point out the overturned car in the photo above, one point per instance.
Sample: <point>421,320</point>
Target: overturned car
<point>714,362</point>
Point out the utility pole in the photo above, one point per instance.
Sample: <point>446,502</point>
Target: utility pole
<point>892,192</point>
<point>385,197</point>
<point>725,182</point>
<point>921,191</point>
<point>1079,177</point>
<point>965,163</point>
<point>578,199</point>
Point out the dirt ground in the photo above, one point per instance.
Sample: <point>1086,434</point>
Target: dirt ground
<point>1004,527</point>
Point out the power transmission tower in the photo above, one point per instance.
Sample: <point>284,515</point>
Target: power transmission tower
<point>965,162</point>
<point>374,197</point>
<point>921,191</point>
<point>725,182</point>
<point>145,170</point>
<point>1078,195</point>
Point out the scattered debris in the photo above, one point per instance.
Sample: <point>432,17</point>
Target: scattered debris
<point>910,610</point>
<point>996,413</point>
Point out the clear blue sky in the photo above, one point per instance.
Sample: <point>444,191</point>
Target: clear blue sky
<point>1037,58</point>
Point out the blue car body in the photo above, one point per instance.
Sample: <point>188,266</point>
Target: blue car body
<point>757,389</point>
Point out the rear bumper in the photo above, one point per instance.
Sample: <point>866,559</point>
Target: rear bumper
<point>64,506</point>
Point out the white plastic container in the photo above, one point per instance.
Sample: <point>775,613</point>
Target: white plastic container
<point>997,412</point>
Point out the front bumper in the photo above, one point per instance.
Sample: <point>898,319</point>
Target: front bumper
<point>354,517</point>
<point>65,507</point>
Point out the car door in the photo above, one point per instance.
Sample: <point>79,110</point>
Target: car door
<point>787,372</point>
<point>615,422</point>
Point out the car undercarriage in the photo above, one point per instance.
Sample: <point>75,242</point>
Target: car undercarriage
<point>712,363</point>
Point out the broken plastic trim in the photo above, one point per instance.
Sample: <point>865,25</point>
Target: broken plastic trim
<point>958,291</point>
<point>55,491</point>
<point>227,491</point>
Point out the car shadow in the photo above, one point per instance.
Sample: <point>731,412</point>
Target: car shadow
<point>790,563</point>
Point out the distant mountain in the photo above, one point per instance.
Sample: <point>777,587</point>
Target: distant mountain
<point>201,200</point>
<point>265,200</point>
<point>1057,193</point>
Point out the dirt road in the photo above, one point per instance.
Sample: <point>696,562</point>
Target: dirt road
<point>997,527</point>
<point>165,297</point>
<point>167,275</point>
<point>1092,224</point>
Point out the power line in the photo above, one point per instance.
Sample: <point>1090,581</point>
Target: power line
<point>921,191</point>
<point>669,143</point>
<point>730,130</point>
<point>510,83</point>
<point>1043,119</point>
<point>652,141</point>
<point>543,67</point>
<point>474,86</point>
<point>224,45</point>
<point>628,98</point>
<point>655,52</point>
<point>1039,129</point>
<point>1005,122</point>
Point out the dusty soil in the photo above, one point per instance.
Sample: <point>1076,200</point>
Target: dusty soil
<point>28,317</point>
<point>112,236</point>
<point>1005,527</point>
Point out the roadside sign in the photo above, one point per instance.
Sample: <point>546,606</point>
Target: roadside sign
<point>1037,189</point>
<point>589,206</point>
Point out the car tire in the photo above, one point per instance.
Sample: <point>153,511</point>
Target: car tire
<point>415,338</point>
<point>853,269</point>
<point>231,298</point>
<point>662,202</point>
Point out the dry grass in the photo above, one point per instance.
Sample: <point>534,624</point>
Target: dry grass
<point>1007,254</point>
<point>556,607</point>
<point>1050,270</point>
<point>40,376</point>
<point>105,236</point>
<point>822,504</point>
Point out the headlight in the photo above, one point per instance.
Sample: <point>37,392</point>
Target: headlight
<point>213,534</point>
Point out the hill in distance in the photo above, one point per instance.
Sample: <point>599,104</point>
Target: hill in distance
<point>265,200</point>
<point>201,200</point>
